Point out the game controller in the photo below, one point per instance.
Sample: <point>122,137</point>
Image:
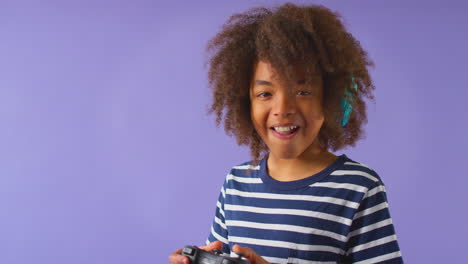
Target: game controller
<point>200,256</point>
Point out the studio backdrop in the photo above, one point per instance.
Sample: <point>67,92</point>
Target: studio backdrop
<point>107,154</point>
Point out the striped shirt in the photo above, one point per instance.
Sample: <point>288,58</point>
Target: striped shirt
<point>339,215</point>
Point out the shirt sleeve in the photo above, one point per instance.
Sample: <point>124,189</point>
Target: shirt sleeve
<point>218,228</point>
<point>372,237</point>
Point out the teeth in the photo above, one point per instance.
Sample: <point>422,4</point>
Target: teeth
<point>285,129</point>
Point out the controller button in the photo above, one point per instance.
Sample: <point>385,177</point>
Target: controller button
<point>188,251</point>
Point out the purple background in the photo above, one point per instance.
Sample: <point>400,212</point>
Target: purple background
<point>107,156</point>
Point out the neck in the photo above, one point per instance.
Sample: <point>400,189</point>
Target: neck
<point>307,164</point>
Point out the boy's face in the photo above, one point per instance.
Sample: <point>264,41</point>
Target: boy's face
<point>274,105</point>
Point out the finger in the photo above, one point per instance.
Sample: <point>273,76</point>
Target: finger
<point>179,251</point>
<point>245,251</point>
<point>213,245</point>
<point>177,258</point>
<point>249,254</point>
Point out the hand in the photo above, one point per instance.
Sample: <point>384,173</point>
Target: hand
<point>249,254</point>
<point>178,258</point>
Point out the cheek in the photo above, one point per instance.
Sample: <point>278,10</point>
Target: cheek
<point>259,118</point>
<point>257,114</point>
<point>315,112</point>
<point>314,117</point>
<point>255,119</point>
<point>317,116</point>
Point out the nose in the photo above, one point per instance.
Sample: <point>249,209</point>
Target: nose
<point>285,105</point>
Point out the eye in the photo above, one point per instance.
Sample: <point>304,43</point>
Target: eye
<point>263,95</point>
<point>304,92</point>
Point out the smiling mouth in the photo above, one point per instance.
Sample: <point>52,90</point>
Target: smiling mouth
<point>285,130</point>
<point>284,133</point>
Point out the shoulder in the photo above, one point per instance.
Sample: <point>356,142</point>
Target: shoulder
<point>242,173</point>
<point>358,173</point>
<point>245,166</point>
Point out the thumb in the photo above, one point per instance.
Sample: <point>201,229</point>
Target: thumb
<point>212,246</point>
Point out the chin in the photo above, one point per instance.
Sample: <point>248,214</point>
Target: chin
<point>286,154</point>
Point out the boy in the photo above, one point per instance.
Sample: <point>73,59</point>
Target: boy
<point>291,82</point>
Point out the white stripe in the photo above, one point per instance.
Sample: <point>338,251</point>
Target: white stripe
<point>295,260</point>
<point>285,244</point>
<point>388,256</point>
<point>246,167</point>
<point>244,179</point>
<point>371,210</point>
<point>207,241</point>
<point>301,261</point>
<point>218,204</point>
<point>223,192</point>
<point>285,211</point>
<point>291,228</point>
<point>374,243</point>
<point>357,164</point>
<point>219,222</point>
<point>275,260</point>
<point>335,185</point>
<point>374,191</point>
<point>218,237</point>
<point>368,228</point>
<point>310,198</point>
<point>354,172</point>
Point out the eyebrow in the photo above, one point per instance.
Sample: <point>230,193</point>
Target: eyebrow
<point>262,82</point>
<point>267,83</point>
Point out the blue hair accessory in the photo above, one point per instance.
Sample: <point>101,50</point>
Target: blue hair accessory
<point>346,101</point>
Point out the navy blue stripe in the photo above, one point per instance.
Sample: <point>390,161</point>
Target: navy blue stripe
<point>376,251</point>
<point>310,222</point>
<point>341,193</point>
<point>372,235</point>
<point>291,253</point>
<point>373,200</point>
<point>351,178</point>
<point>288,236</point>
<point>312,206</point>
<point>370,219</point>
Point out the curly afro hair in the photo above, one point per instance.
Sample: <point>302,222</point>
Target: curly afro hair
<point>311,36</point>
